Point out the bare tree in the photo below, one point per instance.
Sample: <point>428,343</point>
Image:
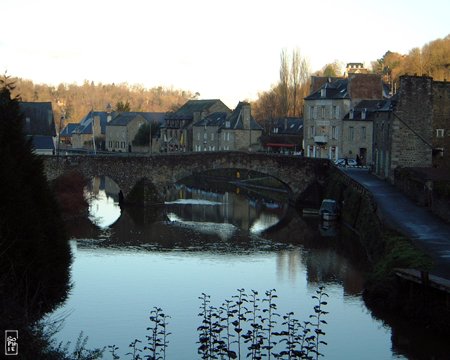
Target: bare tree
<point>284,82</point>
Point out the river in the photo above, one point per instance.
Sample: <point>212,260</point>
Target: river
<point>214,242</point>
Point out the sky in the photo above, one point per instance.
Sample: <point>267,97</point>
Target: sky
<point>222,49</point>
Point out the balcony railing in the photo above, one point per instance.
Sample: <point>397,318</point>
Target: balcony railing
<point>321,139</point>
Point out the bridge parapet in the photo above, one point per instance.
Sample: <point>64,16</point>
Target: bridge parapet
<point>165,170</point>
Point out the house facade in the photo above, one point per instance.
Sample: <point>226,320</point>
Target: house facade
<point>177,131</point>
<point>90,132</point>
<point>223,131</point>
<point>121,131</point>
<point>326,134</point>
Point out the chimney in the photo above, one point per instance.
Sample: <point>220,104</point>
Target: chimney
<point>108,113</point>
<point>246,115</point>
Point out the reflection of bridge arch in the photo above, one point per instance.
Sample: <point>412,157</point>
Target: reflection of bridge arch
<point>164,170</point>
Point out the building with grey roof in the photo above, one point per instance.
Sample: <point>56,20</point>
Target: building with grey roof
<point>177,131</point>
<point>223,131</point>
<point>326,133</point>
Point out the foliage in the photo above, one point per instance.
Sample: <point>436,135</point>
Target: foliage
<point>286,97</point>
<point>244,327</point>
<point>123,107</point>
<point>142,137</point>
<point>34,252</point>
<point>431,59</point>
<point>75,101</point>
<point>69,192</point>
<point>399,253</point>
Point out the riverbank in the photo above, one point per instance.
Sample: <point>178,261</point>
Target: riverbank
<point>386,250</point>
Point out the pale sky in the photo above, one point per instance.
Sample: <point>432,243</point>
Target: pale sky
<point>226,49</point>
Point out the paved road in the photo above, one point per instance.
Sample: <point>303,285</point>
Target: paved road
<point>397,211</point>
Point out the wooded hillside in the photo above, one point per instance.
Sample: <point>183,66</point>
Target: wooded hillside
<point>77,100</point>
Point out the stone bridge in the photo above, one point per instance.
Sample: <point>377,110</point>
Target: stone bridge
<point>162,171</point>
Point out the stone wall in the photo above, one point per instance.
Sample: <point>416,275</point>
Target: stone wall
<point>164,170</point>
<point>411,127</point>
<point>441,120</point>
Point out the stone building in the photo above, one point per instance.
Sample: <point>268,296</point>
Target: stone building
<point>357,130</point>
<point>325,135</point>
<point>177,132</point>
<point>89,134</point>
<point>222,131</point>
<point>412,126</point>
<point>121,131</point>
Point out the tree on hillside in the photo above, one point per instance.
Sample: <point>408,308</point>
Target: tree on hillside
<point>123,107</point>
<point>432,59</point>
<point>75,101</point>
<point>330,70</point>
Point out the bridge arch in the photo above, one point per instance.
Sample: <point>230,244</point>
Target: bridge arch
<point>162,171</point>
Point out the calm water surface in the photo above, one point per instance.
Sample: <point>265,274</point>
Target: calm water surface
<point>211,242</point>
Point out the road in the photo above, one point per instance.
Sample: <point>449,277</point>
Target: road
<point>397,211</point>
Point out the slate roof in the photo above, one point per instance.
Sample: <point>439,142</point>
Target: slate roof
<point>214,119</point>
<point>41,118</point>
<point>337,89</point>
<point>68,129</point>
<point>85,125</point>
<point>235,119</point>
<point>186,112</point>
<point>123,119</point>
<point>288,126</point>
<point>371,107</point>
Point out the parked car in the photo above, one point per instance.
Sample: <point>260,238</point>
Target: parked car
<point>341,162</point>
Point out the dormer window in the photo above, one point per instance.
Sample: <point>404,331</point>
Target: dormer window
<point>323,92</point>
<point>363,114</point>
<point>227,124</point>
<point>350,115</point>
<point>275,130</point>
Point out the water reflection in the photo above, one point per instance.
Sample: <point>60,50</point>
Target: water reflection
<point>216,242</point>
<point>102,194</point>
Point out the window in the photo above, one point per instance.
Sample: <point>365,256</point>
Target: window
<point>205,136</point>
<point>322,112</point>
<point>363,133</point>
<point>351,133</point>
<point>336,112</point>
<point>212,136</point>
<point>198,135</point>
<point>228,136</point>
<point>227,124</point>
<point>334,132</point>
<point>311,131</point>
<point>439,133</point>
<point>311,112</point>
<point>275,130</point>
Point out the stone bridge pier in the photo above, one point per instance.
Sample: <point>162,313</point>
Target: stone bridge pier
<point>162,171</point>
